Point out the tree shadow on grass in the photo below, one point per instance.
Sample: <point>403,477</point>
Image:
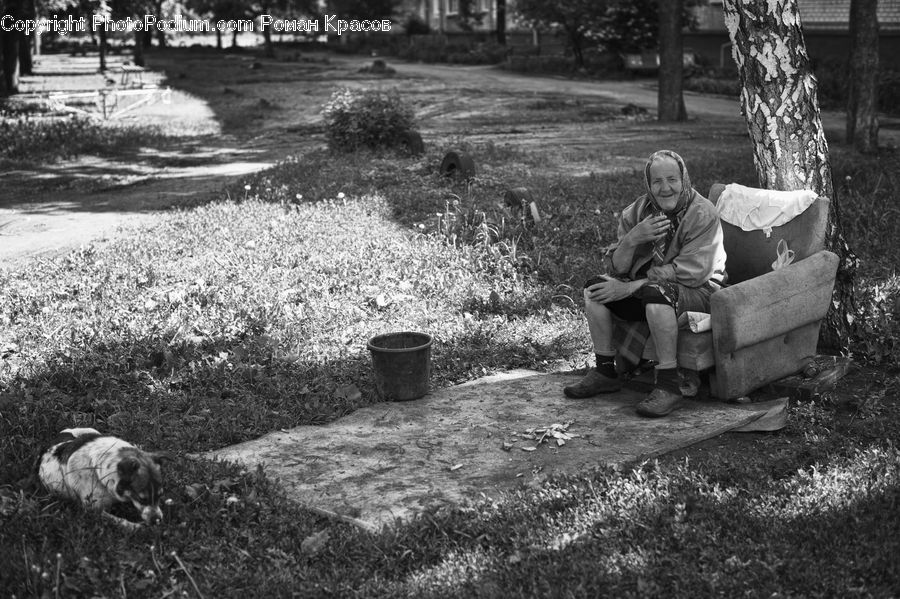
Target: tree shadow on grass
<point>204,393</point>
<point>184,397</point>
<point>589,535</point>
<point>690,545</point>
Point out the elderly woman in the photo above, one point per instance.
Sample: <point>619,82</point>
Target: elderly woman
<point>668,260</point>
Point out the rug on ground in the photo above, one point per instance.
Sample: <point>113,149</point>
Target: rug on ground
<point>388,461</point>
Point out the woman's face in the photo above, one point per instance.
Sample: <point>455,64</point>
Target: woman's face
<point>665,183</point>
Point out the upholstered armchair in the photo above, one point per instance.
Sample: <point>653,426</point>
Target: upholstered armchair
<point>765,323</point>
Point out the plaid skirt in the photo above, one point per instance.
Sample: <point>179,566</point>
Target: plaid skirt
<point>631,331</point>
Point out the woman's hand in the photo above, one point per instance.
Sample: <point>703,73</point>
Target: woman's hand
<point>611,290</point>
<point>650,229</point>
<point>665,272</point>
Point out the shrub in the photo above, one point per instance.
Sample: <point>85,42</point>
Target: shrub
<point>357,119</point>
<point>833,80</point>
<point>728,86</point>
<point>871,222</point>
<point>415,25</point>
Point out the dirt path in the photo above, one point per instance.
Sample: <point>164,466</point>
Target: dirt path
<point>64,205</point>
<point>93,198</point>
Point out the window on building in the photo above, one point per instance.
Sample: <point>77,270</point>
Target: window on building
<point>452,7</point>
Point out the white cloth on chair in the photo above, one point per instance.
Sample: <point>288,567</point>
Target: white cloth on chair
<point>754,209</point>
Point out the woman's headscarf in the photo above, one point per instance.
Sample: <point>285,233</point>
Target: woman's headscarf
<point>687,191</point>
<point>684,200</point>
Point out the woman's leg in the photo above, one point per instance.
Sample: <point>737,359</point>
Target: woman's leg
<point>659,302</point>
<point>664,329</point>
<point>600,324</point>
<point>603,378</point>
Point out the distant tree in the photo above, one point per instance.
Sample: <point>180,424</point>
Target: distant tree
<point>468,16</point>
<point>416,25</point>
<point>501,22</point>
<point>102,8</point>
<point>628,26</point>
<point>670,96</point>
<point>362,9</point>
<point>10,48</point>
<point>268,46</point>
<point>616,26</point>
<point>862,96</point>
<point>577,19</point>
<point>26,67</point>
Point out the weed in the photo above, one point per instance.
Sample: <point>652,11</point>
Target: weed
<point>27,139</point>
<point>367,119</point>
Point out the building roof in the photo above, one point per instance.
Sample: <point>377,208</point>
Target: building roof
<point>835,14</point>
<point>815,15</point>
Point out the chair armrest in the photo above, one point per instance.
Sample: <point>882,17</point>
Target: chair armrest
<point>773,304</point>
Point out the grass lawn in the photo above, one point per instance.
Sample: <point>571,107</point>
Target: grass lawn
<point>225,321</point>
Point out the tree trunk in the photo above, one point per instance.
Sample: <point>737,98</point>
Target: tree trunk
<point>138,57</point>
<point>670,99</point>
<point>103,47</point>
<point>862,96</point>
<point>9,48</point>
<point>268,48</point>
<point>778,97</point>
<point>218,39</point>
<point>575,40</point>
<point>26,67</point>
<point>501,22</point>
<point>160,34</point>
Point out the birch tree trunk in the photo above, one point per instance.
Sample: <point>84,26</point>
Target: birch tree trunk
<point>862,97</point>
<point>779,102</point>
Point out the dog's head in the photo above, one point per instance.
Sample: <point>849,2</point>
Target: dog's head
<point>140,481</point>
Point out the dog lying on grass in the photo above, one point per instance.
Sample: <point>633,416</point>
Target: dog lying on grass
<point>101,471</point>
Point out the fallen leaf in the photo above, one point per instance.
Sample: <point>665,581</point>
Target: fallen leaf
<point>455,467</point>
<point>529,448</point>
<point>560,442</point>
<point>506,446</point>
<point>193,491</point>
<point>381,301</point>
<point>348,392</point>
<point>314,543</point>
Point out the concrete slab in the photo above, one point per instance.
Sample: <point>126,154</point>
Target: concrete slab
<point>391,460</point>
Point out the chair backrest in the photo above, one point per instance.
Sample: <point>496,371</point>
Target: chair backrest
<point>751,253</point>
